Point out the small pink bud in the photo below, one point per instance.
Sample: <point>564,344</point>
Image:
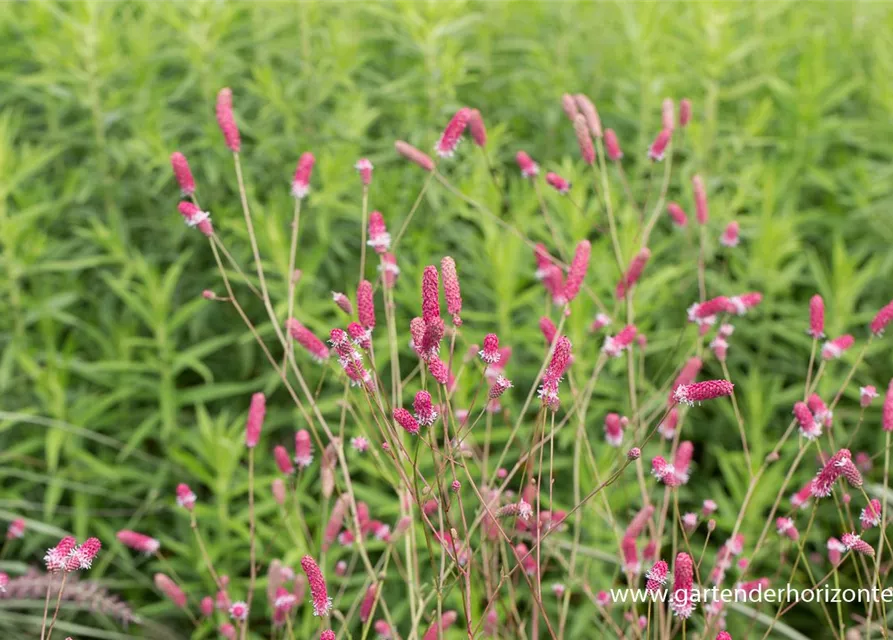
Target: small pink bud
<point>364,167</point>
<point>283,461</point>
<point>614,346</point>
<point>182,173</point>
<point>684,112</point>
<point>477,128</point>
<point>729,237</point>
<point>226,121</point>
<point>207,294</point>
<point>612,146</point>
<point>634,454</point>
<point>633,273</point>
<point>414,155</point>
<point>359,444</point>
<point>185,497</point>
<point>882,319</point>
<point>659,146</point>
<point>456,486</point>
<point>343,302</point>
<point>677,214</point>
<point>138,541</point>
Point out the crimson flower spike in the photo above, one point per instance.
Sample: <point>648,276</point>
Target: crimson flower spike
<point>477,128</point>
<point>451,290</point>
<point>677,214</point>
<point>882,319</point>
<point>170,589</point>
<point>612,145</point>
<point>633,273</point>
<point>366,305</point>
<point>430,295</point>
<point>256,413</point>
<point>590,114</point>
<point>577,272</point>
<point>414,155</point>
<point>195,217</point>
<point>659,146</point>
<point>379,238</point>
<point>700,391</point>
<point>226,120</point>
<point>681,601</point>
<point>182,173</point>
<point>528,167</point>
<point>887,420</point>
<point>452,135</point>
<point>300,184</point>
<point>816,317</point>
<point>558,183</point>
<point>322,603</point>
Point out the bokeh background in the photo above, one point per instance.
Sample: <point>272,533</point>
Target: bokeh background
<point>117,380</point>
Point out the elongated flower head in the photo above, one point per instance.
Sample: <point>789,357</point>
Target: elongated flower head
<point>677,214</point>
<point>558,183</point>
<point>414,155</point>
<point>631,562</point>
<point>379,238</point>
<point>656,576</point>
<point>569,106</point>
<point>729,237</point>
<point>451,289</point>
<point>587,108</point>
<point>283,460</point>
<point>528,167</point>
<point>853,542</point>
<point>612,145</point>
<point>452,135</point>
<point>138,541</point>
<point>170,589</point>
<point>365,305</point>
<point>425,412</point>
<point>871,514</point>
<point>389,270</point>
<point>328,634</point>
<point>360,336</point>
<point>304,337</point>
<point>584,139</point>
<point>701,211</point>
<point>548,329</point>
<point>882,319</point>
<point>438,370</point>
<point>364,167</point>
<point>477,128</point>
<point>561,358</point>
<point>633,272</point>
<point>637,524</point>
<point>706,312</point>
<point>342,302</point>
<point>838,464</point>
<point>833,349</point>
<point>430,294</point>
<point>664,471</point>
<point>195,217</point>
<point>683,576</point>
<point>700,391</point>
<point>816,317</point>
<point>659,146</point>
<point>322,603</point>
<point>887,418</point>
<point>182,173</point>
<point>303,449</point>
<point>684,119</point>
<point>226,120</point>
<point>256,413</point>
<point>614,346</point>
<point>86,552</point>
<point>667,114</point>
<point>405,419</point>
<point>336,520</point>
<point>577,272</point>
<point>56,558</point>
<point>809,429</point>
<point>682,460</point>
<point>447,620</point>
<point>300,184</point>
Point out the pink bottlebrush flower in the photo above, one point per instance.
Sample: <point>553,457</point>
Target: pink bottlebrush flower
<point>809,429</point>
<point>701,211</point>
<point>404,419</point>
<point>336,520</point>
<point>170,589</point>
<point>379,238</point>
<point>853,542</point>
<point>882,319</point>
<point>490,353</point>
<point>706,312</point>
<point>226,121</point>
<point>361,337</point>
<point>602,599</point>
<point>687,374</point>
<point>614,346</point>
<point>684,118</point>
<point>708,508</point>
<point>284,600</point>
<point>438,370</point>
<point>368,601</point>
<point>56,558</point>
<point>561,357</point>
<point>365,305</point>
<point>633,273</point>
<point>195,217</point>
<point>637,524</point>
<point>838,464</point>
<point>677,215</point>
<point>746,301</point>
<point>690,522</point>
<point>667,427</point>
<point>601,321</point>
<point>185,497</point>
<point>84,554</point>
<point>277,488</point>
<point>656,576</point>
<point>182,173</point>
<point>720,348</point>
<point>343,302</point>
<point>499,387</point>
<point>577,272</point>
<point>820,411</point>
<point>364,167</point>
<point>328,634</point>
<point>435,631</point>
<point>238,611</point>
<point>451,289</point>
<point>431,338</point>
<point>415,156</point>
<point>452,135</point>
<point>659,146</point>
<point>528,167</point>
<point>584,139</point>
<point>228,631</point>
<point>549,330</point>
<point>593,121</point>
<point>816,317</point>
<point>383,629</point>
<point>554,283</point>
<point>835,549</point>
<point>631,562</point>
<point>866,395</point>
<point>887,412</point>
<point>300,184</point>
<point>683,573</point>
<point>349,358</point>
<point>682,460</point>
<point>303,449</point>
<point>303,336</point>
<point>668,117</point>
<point>425,412</point>
<point>359,444</point>
<point>322,603</point>
<point>612,145</point>
<point>799,499</point>
<point>700,391</point>
<point>833,349</point>
<point>16,529</point>
<point>138,541</point>
<point>785,527</point>
<point>664,471</point>
<point>613,430</point>
<point>569,105</point>
<point>255,422</point>
<point>729,237</point>
<point>477,128</point>
<point>871,514</point>
<point>207,606</point>
<point>543,261</point>
<point>521,509</point>
<point>558,183</point>
<point>430,294</point>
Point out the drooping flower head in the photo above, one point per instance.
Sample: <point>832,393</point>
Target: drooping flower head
<point>255,422</point>
<point>414,155</point>
<point>452,135</point>
<point>500,385</point>
<point>871,514</point>
<point>837,465</point>
<point>138,541</point>
<point>304,337</point>
<point>300,184</point>
<point>170,589</point>
<point>451,289</point>
<point>835,550</point>
<point>342,302</point>
<point>853,542</point>
<point>659,146</point>
<point>558,183</point>
<point>786,527</point>
<point>700,391</point>
<point>528,167</point>
<point>182,173</point>
<point>322,603</point>
<point>226,120</point>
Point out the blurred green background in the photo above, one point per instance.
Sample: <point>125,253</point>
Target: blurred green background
<point>117,380</point>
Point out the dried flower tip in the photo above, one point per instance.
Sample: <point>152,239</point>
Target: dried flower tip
<point>185,497</point>
<point>195,217</point>
<point>558,183</point>
<point>677,215</point>
<point>584,139</point>
<point>300,184</point>
<point>612,145</point>
<point>451,289</point>
<point>684,119</point>
<point>729,237</point>
<point>871,514</point>
<point>226,121</point>
<point>882,319</point>
<point>700,391</point>
<point>528,167</point>
<point>322,603</point>
<point>138,541</point>
<point>833,349</point>
<point>414,155</point>
<point>182,173</point>
<point>364,167</point>
<point>170,589</point>
<point>577,272</point>
<point>853,542</point>
<point>701,211</point>
<point>659,146</point>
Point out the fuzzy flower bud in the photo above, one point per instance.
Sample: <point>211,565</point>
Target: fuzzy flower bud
<point>430,295</point>
<point>633,273</point>
<point>500,385</point>
<point>300,184</point>
<point>833,349</point>
<point>659,146</point>
<point>414,155</point>
<point>577,272</point>
<point>182,173</point>
<point>853,542</point>
<point>16,529</point>
<point>452,135</point>
<point>683,572</point>
<point>631,562</point>
<point>226,121</point>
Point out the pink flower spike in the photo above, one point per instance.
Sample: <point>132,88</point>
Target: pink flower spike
<point>667,113</point>
<point>685,117</point>
<point>86,552</point>
<point>383,629</point>
<point>425,412</point>
<point>182,173</point>
<point>683,573</point>
<point>404,419</point>
<point>701,211</point>
<point>746,301</point>
<point>452,135</point>
<point>584,139</point>
<point>569,106</point>
<point>785,527</point>
<point>558,183</point>
<point>664,471</point>
<point>414,155</point>
<point>228,631</point>
<point>379,238</point>
<point>364,167</point>
<point>682,460</point>
<point>819,410</point>
<point>587,108</point>
<point>303,449</point>
<point>361,337</point>
<point>853,542</point>
<point>659,146</point>
<point>438,370</point>
<point>328,634</point>
<point>667,427</point>
<point>477,128</point>
<point>631,562</point>
<point>577,272</point>
<point>633,273</point>
<point>561,357</point>
<point>170,589</point>
<point>840,464</point>
<point>677,214</point>
<point>871,514</point>
<point>16,529</point>
<point>322,603</point>
<point>255,422</point>
<point>226,121</point>
<point>300,184</point>
<point>549,330</point>
<point>882,319</point>
<point>637,524</point>
<point>365,305</point>
<point>528,167</point>
<point>185,497</point>
<point>389,270</point>
<point>729,236</point>
<point>447,620</point>
<point>833,349</point>
<point>303,336</point>
<point>138,541</point>
<point>656,576</point>
<point>342,302</point>
<point>613,430</point>
<point>56,558</point>
<point>816,317</point>
<point>500,386</point>
<point>430,295</point>
<point>195,217</point>
<point>699,391</point>
<point>809,429</point>
<point>490,353</point>
<point>277,488</point>
<point>614,346</point>
<point>835,550</point>
<point>336,520</point>
<point>887,414</point>
<point>612,145</point>
<point>283,461</point>
<point>368,601</point>
<point>451,289</point>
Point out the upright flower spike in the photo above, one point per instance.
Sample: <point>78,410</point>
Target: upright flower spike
<point>682,460</point>
<point>328,634</point>
<point>677,215</point>
<point>685,118</point>
<point>833,349</point>
<point>425,413</point>
<point>577,272</point>
<point>584,139</point>
<point>414,155</point>
<point>529,168</point>
<point>729,237</point>
<point>612,146</point>
<point>659,147</point>
<point>745,302</point>
<point>614,346</point>
<point>590,113</point>
<point>667,113</point>
<point>342,302</point>
<point>451,290</point>
<point>283,460</point>
<point>182,173</point>
<point>835,550</point>
<point>300,184</point>
<point>490,353</point>
<point>170,589</point>
<point>405,419</point>
<point>185,497</point>
<point>439,370</point>
<point>637,524</point>
<point>887,415</point>
<point>84,554</point>
<point>548,329</point>
<point>701,211</point>
<point>853,542</point>
<point>558,183</point>
<point>195,217</point>
<point>629,279</point>
<point>430,295</point>
<point>365,305</point>
<point>389,270</point>
<point>304,337</point>
<point>809,429</point>
<point>452,135</point>
<point>882,319</point>
<point>303,449</point>
<point>16,529</point>
<point>56,558</point>
<point>364,168</point>
<point>226,120</point>
<point>138,541</point>
<point>379,238</point>
<point>664,471</point>
<point>569,106</point>
<point>816,317</point>
<point>699,391</point>
<point>631,562</point>
<point>477,128</point>
<point>667,427</point>
<point>322,603</point>
<point>681,601</point>
<point>561,357</point>
<point>256,413</point>
<point>840,464</point>
<point>871,514</point>
<point>656,576</point>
